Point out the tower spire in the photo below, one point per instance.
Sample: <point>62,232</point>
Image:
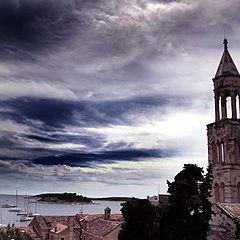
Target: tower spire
<point>226,66</point>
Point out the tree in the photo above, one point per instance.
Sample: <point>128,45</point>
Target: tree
<point>11,232</point>
<point>185,217</point>
<point>140,220</point>
<point>189,211</point>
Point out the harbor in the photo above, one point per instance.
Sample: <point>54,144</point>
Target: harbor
<point>18,215</point>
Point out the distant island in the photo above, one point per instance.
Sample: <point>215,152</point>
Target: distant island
<point>117,199</point>
<point>62,198</point>
<point>74,198</point>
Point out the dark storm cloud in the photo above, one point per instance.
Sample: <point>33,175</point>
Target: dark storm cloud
<point>8,142</point>
<point>47,21</point>
<point>14,115</point>
<point>51,112</point>
<point>32,24</point>
<point>102,43</point>
<point>92,141</point>
<point>57,113</point>
<point>89,159</point>
<point>38,22</point>
<point>43,138</point>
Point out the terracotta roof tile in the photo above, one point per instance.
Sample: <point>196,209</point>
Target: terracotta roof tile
<point>102,227</point>
<point>92,217</point>
<point>58,228</point>
<point>231,209</point>
<point>48,222</point>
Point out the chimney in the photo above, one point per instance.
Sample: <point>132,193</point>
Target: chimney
<point>107,213</point>
<point>71,229</point>
<point>71,223</point>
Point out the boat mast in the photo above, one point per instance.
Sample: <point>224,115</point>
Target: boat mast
<point>17,198</point>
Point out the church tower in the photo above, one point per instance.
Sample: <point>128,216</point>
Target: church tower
<point>224,133</point>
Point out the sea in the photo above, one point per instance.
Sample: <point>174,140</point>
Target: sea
<point>49,209</point>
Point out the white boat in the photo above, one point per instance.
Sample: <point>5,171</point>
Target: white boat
<point>22,214</point>
<point>15,209</point>
<point>33,214</point>
<point>25,219</point>
<point>8,206</point>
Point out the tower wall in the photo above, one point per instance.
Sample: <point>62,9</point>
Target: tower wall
<point>224,133</point>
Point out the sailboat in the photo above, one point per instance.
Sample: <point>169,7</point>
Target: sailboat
<point>24,214</point>
<point>31,213</point>
<point>6,205</point>
<point>1,222</point>
<point>25,211</point>
<point>15,208</point>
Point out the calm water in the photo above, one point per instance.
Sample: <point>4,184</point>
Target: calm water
<point>50,209</point>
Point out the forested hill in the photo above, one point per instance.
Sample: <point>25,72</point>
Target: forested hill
<point>62,198</point>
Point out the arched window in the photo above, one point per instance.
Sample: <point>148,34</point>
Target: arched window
<point>216,192</point>
<point>238,192</point>
<point>219,153</point>
<point>238,107</point>
<point>220,108</point>
<point>229,107</point>
<point>222,153</point>
<point>214,153</point>
<point>224,107</point>
<point>222,193</point>
<point>236,151</point>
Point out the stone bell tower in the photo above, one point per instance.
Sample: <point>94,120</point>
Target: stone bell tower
<point>224,133</point>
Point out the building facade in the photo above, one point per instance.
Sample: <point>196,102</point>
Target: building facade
<point>57,227</point>
<point>106,227</point>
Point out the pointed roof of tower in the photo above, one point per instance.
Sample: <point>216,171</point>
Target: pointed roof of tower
<point>226,66</point>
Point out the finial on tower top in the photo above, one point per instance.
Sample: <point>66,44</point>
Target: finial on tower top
<point>226,66</point>
<point>225,43</point>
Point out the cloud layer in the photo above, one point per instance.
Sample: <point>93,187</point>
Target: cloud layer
<point>112,92</point>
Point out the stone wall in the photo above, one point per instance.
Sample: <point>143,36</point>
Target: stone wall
<point>222,226</point>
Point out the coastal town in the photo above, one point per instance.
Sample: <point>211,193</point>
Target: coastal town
<point>105,226</point>
<point>81,226</point>
<point>119,120</point>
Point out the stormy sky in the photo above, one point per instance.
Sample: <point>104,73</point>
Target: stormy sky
<point>107,97</point>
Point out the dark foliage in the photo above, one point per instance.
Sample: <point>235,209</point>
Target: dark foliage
<point>189,210</point>
<point>140,220</point>
<point>10,232</point>
<point>185,217</point>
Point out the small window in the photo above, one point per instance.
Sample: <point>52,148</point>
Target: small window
<point>229,107</point>
<point>238,188</point>
<point>216,192</point>
<point>214,153</point>
<point>222,153</point>
<point>238,105</point>
<point>62,238</point>
<point>222,192</point>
